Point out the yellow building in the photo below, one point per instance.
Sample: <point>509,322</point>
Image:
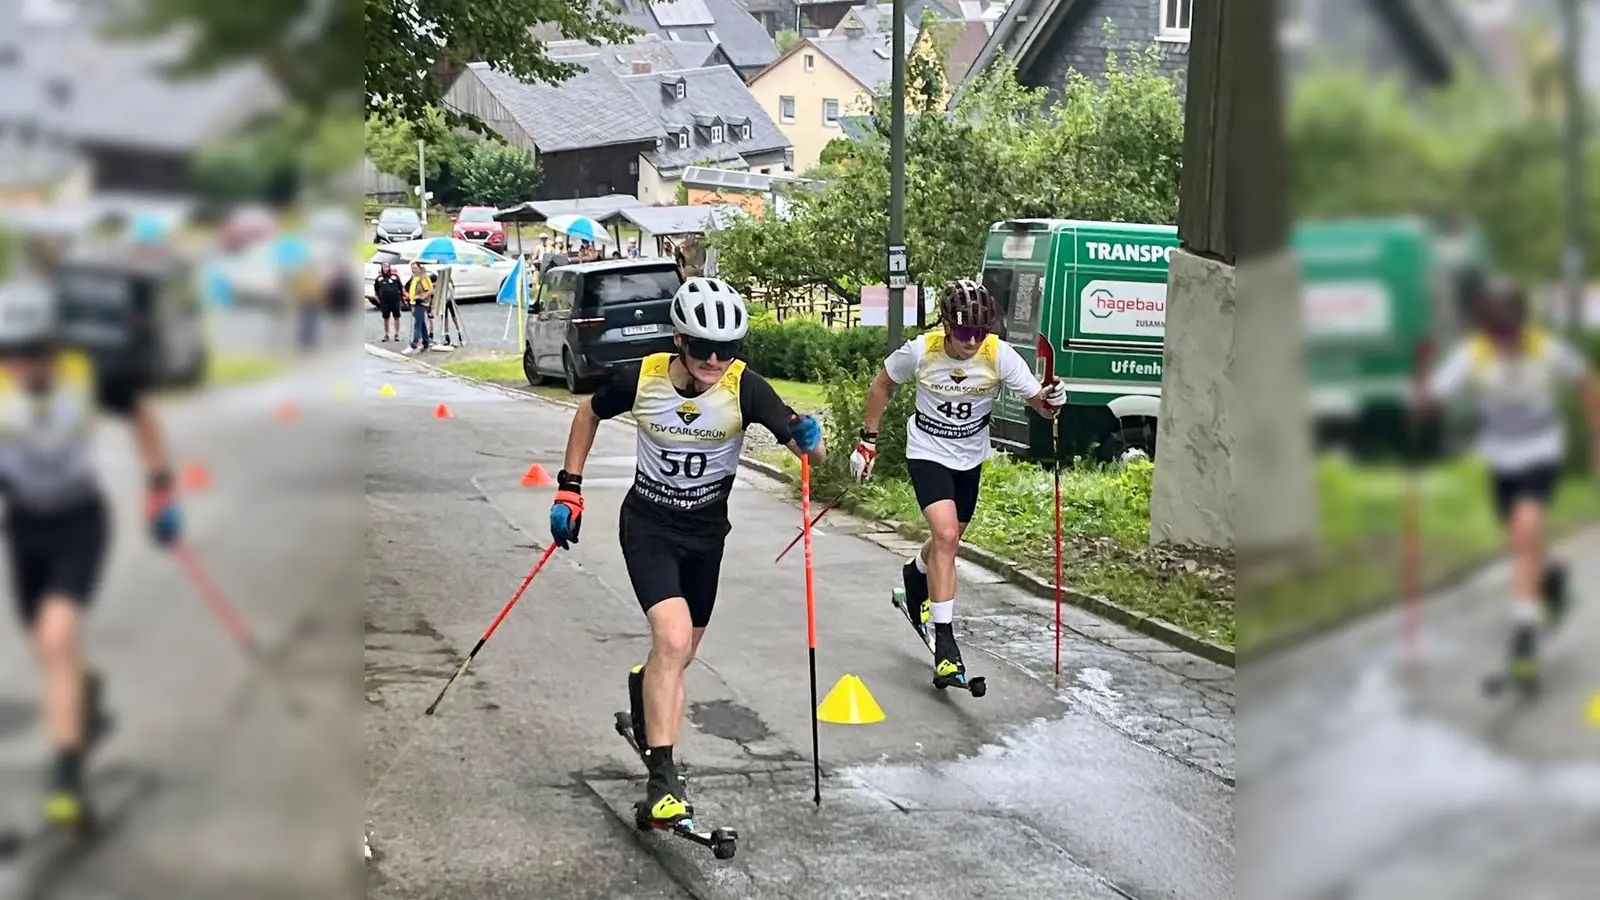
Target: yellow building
<point>817,83</point>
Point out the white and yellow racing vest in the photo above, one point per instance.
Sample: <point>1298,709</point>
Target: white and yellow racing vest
<point>688,448</point>
<point>1517,399</point>
<point>954,401</point>
<point>46,447</point>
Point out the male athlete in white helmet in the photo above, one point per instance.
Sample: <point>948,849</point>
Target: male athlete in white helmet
<point>691,409</point>
<point>57,521</point>
<point>959,371</point>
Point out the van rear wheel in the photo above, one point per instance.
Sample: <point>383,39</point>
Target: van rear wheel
<point>1131,433</point>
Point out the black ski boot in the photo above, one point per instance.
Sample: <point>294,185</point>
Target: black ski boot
<point>664,800</point>
<point>636,704</point>
<point>917,603</point>
<point>1553,591</point>
<point>64,805</point>
<point>947,665</point>
<point>1524,668</point>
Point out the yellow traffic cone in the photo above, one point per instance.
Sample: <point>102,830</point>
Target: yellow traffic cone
<point>849,703</point>
<point>1594,710</point>
<point>386,391</point>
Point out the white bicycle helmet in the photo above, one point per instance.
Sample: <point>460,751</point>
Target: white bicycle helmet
<point>706,308</point>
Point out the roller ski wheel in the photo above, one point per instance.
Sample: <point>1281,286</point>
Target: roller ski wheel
<point>1526,685</point>
<point>722,842</point>
<point>974,686</point>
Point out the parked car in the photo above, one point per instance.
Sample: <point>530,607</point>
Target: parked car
<point>478,278</point>
<point>246,226</point>
<point>477,224</point>
<point>134,314</point>
<point>590,318</point>
<point>397,223</point>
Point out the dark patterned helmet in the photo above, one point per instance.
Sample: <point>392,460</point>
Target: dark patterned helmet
<point>968,304</point>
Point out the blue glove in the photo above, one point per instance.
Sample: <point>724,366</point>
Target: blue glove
<point>807,432</point>
<point>566,516</point>
<point>166,522</point>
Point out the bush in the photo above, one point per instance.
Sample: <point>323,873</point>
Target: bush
<point>807,350</point>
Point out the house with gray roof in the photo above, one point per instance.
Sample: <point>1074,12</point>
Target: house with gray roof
<point>125,125</point>
<point>622,126</point>
<point>656,51</point>
<point>708,117</point>
<point>723,22</point>
<point>586,133</point>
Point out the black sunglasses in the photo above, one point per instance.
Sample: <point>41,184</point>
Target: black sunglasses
<point>704,349</point>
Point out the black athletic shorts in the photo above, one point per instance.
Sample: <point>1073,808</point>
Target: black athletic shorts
<point>389,307</point>
<point>933,482</point>
<point>1537,484</point>
<point>664,563</point>
<point>59,554</point>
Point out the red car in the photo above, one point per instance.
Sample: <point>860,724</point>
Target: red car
<point>477,225</point>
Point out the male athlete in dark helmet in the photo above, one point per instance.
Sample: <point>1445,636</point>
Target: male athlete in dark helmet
<point>1515,369</point>
<point>57,520</point>
<point>959,370</point>
<point>691,409</point>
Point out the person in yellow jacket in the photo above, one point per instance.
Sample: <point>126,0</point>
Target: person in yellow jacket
<point>420,291</point>
<point>57,518</point>
<point>1515,369</point>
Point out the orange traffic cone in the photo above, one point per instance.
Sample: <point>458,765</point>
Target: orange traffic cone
<point>195,477</point>
<point>536,476</point>
<point>443,412</point>
<point>288,411</point>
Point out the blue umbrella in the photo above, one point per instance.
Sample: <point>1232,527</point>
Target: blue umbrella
<point>581,227</point>
<point>217,287</point>
<point>291,251</point>
<point>440,250</point>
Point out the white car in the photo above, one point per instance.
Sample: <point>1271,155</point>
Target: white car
<point>477,277</point>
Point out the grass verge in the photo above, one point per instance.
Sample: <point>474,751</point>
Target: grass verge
<point>1357,564</point>
<point>242,368</point>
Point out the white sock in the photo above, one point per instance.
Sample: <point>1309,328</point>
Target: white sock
<point>922,564</point>
<point>942,612</point>
<point>1524,611</point>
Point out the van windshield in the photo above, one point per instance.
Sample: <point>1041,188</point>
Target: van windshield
<point>631,286</point>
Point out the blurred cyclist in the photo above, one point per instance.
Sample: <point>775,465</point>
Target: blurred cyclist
<point>58,525</point>
<point>1514,369</point>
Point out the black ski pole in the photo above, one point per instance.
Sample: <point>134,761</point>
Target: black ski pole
<point>811,624</point>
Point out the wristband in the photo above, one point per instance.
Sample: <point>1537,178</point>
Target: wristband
<point>161,482</point>
<point>569,482</point>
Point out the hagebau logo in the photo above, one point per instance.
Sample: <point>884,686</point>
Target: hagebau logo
<point>688,412</point>
<point>1123,308</point>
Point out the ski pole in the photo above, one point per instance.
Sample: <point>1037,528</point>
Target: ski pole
<point>814,521</point>
<point>229,617</point>
<point>811,621</point>
<point>1411,525</point>
<point>548,552</point>
<point>1058,570</point>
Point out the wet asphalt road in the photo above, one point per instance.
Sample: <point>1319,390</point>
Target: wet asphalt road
<point>1116,785</point>
<point>1365,777</point>
<point>208,789</point>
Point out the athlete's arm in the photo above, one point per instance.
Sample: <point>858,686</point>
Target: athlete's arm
<point>899,368</point>
<point>613,398</point>
<point>128,397</point>
<point>760,403</point>
<point>1574,366</point>
<point>1014,374</point>
<point>1447,379</point>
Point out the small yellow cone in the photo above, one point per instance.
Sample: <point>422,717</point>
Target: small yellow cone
<point>1594,710</point>
<point>849,703</point>
<point>386,391</point>
<point>342,391</point>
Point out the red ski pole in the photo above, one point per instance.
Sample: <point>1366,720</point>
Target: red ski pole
<point>548,552</point>
<point>811,621</point>
<point>1058,572</point>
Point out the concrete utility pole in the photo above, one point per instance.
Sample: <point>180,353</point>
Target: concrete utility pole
<point>896,250</point>
<point>1572,259</point>
<point>1233,462</point>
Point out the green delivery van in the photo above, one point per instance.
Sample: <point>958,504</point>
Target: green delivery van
<point>1086,301</point>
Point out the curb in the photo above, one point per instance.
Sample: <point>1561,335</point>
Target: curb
<point>1159,629</point>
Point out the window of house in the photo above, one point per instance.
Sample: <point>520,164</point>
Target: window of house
<point>712,36</point>
<point>633,166</point>
<point>786,110</point>
<point>830,113</point>
<point>682,90</point>
<point>683,140</point>
<point>1175,17</point>
<point>744,132</point>
<point>811,63</point>
<point>673,35</point>
<point>716,134</point>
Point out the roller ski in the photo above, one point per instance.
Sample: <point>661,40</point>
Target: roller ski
<point>1522,669</point>
<point>948,672</point>
<point>666,805</point>
<point>65,811</point>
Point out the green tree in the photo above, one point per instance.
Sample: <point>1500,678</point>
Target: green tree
<point>399,53</point>
<point>787,40</point>
<point>497,174</point>
<point>1110,152</point>
<point>391,143</point>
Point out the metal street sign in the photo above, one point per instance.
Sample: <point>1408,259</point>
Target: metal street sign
<point>897,281</point>
<point>897,260</point>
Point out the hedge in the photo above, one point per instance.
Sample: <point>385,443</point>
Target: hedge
<point>807,350</point>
